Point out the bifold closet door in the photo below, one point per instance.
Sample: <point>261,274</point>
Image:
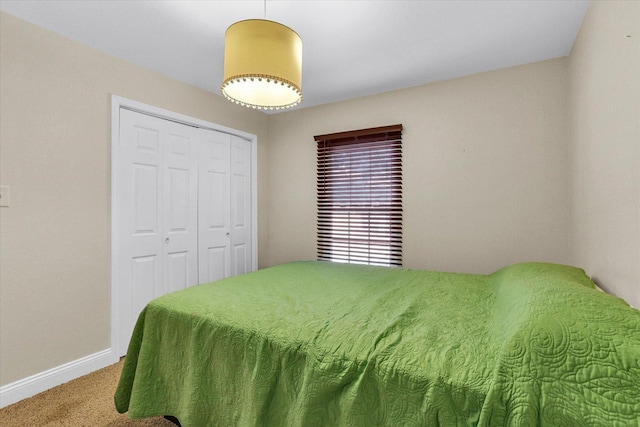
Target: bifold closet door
<point>224,246</point>
<point>240,210</point>
<point>241,232</point>
<point>157,191</point>
<point>214,206</point>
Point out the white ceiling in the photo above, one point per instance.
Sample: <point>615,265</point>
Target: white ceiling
<point>350,48</point>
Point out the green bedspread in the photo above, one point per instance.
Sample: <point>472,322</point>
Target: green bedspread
<point>322,344</point>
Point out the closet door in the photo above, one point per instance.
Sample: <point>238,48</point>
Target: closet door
<point>180,216</point>
<point>241,232</point>
<point>214,207</point>
<point>224,206</point>
<point>156,187</point>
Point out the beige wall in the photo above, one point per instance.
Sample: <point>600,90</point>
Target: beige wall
<point>485,177</point>
<point>604,71</point>
<point>55,155</point>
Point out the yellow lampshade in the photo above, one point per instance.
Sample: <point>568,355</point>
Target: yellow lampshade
<point>262,65</point>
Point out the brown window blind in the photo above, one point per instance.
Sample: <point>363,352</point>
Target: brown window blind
<point>360,196</point>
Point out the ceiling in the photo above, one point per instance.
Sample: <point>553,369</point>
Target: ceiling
<point>350,48</point>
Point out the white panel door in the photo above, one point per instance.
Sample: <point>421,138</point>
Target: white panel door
<point>213,206</point>
<point>180,195</point>
<point>241,252</point>
<point>140,223</point>
<point>156,188</point>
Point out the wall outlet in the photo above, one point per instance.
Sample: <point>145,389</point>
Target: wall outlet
<point>5,196</point>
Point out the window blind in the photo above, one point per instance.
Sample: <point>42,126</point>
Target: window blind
<point>360,196</point>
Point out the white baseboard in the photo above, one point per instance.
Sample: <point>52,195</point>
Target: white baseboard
<point>30,386</point>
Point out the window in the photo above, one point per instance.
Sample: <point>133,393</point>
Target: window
<point>360,196</point>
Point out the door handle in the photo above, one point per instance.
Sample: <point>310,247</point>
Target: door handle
<point>227,234</point>
<point>166,240</point>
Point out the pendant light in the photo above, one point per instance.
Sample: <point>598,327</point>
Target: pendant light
<point>262,65</point>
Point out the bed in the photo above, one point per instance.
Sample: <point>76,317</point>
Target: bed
<point>325,344</point>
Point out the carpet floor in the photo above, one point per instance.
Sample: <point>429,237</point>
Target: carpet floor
<point>86,401</point>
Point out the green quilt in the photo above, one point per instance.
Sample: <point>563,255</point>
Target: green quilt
<point>322,344</point>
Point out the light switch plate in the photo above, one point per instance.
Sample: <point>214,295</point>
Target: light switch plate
<point>5,196</point>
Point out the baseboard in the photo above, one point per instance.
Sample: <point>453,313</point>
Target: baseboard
<point>30,386</point>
